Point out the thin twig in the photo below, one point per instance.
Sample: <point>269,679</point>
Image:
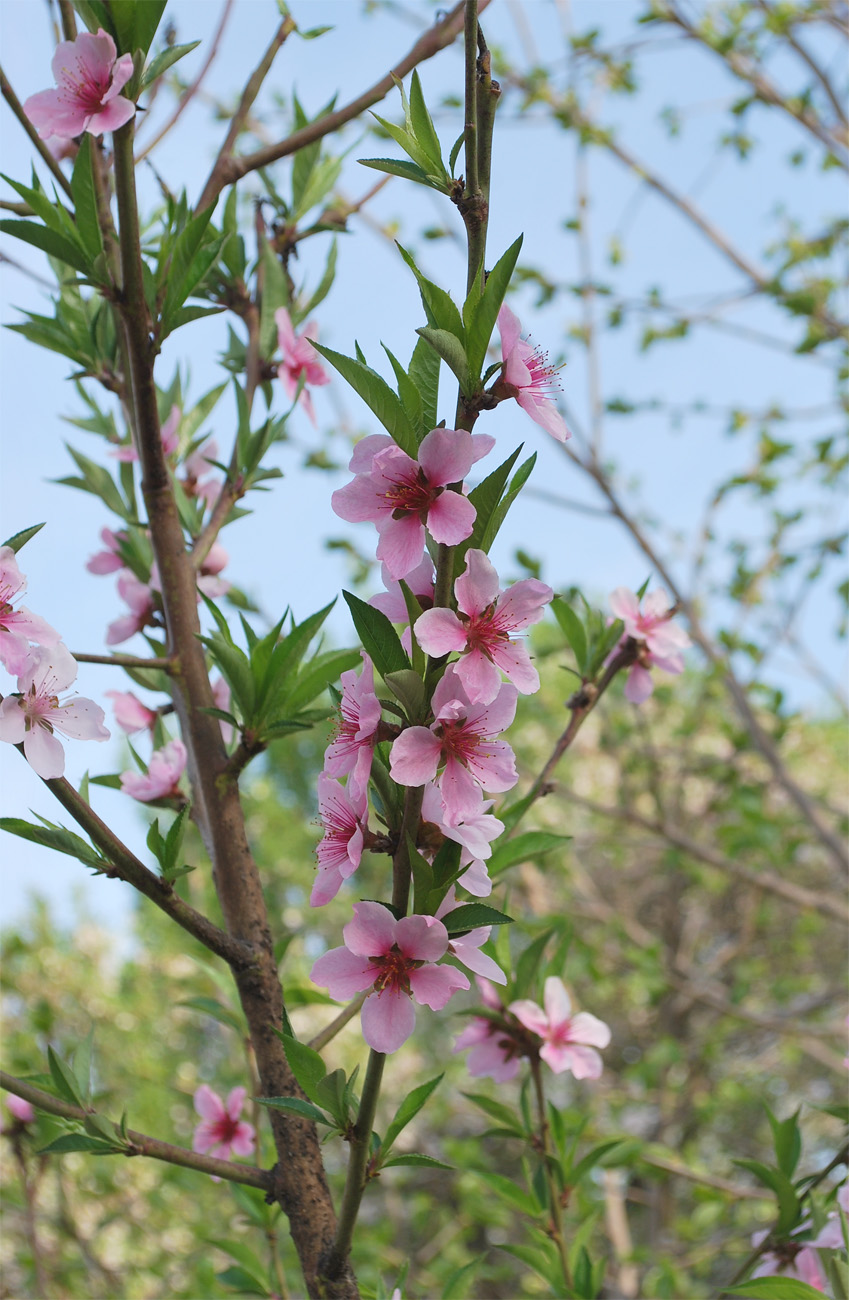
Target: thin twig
<point>165,664</point>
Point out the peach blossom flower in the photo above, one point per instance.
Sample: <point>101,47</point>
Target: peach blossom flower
<point>88,76</point>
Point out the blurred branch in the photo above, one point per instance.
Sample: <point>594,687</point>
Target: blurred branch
<point>808,899</point>
<point>165,664</point>
<point>140,1143</point>
<point>190,92</point>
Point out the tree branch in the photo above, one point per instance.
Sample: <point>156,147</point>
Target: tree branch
<point>140,1143</point>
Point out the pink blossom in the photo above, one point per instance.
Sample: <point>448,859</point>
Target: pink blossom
<point>88,78</point>
<point>494,1052</point>
<point>400,495</point>
<point>569,1041</point>
<point>199,482</point>
<point>209,580</point>
<point>661,641</point>
<point>139,597</point>
<point>466,947</point>
<point>169,433</point>
<point>221,1132</point>
<point>830,1236</point>
<point>164,770</point>
<point>109,560</point>
<point>530,377</point>
<point>462,742</point>
<point>221,698</point>
<point>353,745</point>
<point>804,1265</point>
<point>396,961</point>
<point>130,714</point>
<point>299,359</point>
<point>20,1108</point>
<point>344,814</point>
<point>475,834</point>
<point>481,631</point>
<point>36,713</point>
<point>18,626</point>
<point>420,580</point>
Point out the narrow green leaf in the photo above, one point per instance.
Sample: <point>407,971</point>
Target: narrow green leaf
<point>472,915</point>
<point>450,349</point>
<point>380,640</point>
<point>775,1288</point>
<point>508,1191</point>
<point>785,1192</point>
<point>532,844</point>
<point>50,242</point>
<point>306,1065</point>
<point>79,1142</point>
<point>499,514</point>
<point>85,203</point>
<point>485,498</point>
<point>55,837</point>
<point>413,1158</point>
<point>409,1108</point>
<point>496,1110</point>
<point>440,308</point>
<point>377,395</point>
<point>409,394</point>
<point>528,963</point>
<point>573,630</point>
<point>592,1158</point>
<point>17,540</point>
<point>424,372</point>
<point>487,307</point>
<point>397,167</point>
<point>212,1007</point>
<point>64,1079</point>
<point>423,126</point>
<point>297,1107</point>
<point>164,61</point>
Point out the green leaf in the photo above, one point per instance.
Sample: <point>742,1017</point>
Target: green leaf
<point>17,540</point>
<point>397,167</point>
<point>409,1108</point>
<point>498,515</point>
<point>380,640</point>
<point>211,1007</point>
<point>423,126</point>
<point>787,1141</point>
<point>496,1110</point>
<point>318,674</point>
<point>592,1158</point>
<point>50,242</point>
<point>532,844</point>
<point>441,310</point>
<point>573,630</point>
<point>485,310</point>
<point>325,284</point>
<point>508,1191</point>
<point>450,349</point>
<point>64,1079</point>
<point>775,1288</point>
<point>97,480</point>
<point>408,687</point>
<point>178,275</point>
<point>55,837</point>
<point>296,1106</point>
<point>424,372</point>
<point>239,1279</point>
<point>485,498</point>
<point>413,1158</point>
<point>85,203</point>
<point>472,915</point>
<point>79,1142</point>
<point>377,395</point>
<point>410,396</point>
<point>306,1065</point>
<point>528,963</point>
<point>165,60</point>
<point>785,1192</point>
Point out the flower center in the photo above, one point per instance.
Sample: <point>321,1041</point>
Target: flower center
<point>413,495</point>
<point>87,91</point>
<point>225,1129</point>
<point>393,968</point>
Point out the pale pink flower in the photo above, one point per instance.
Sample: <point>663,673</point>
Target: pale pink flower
<point>462,742</point>
<point>494,1052</point>
<point>88,79</point>
<point>420,580</point>
<point>353,744</point>
<point>209,580</point>
<point>139,596</point>
<point>830,1236</point>
<point>169,433</point>
<point>804,1265</point>
<point>396,960</point>
<point>532,380</point>
<point>481,630</point>
<point>662,641</point>
<point>222,1132</point>
<point>475,834</point>
<point>299,359</point>
<point>568,1041</point>
<point>130,714</point>
<point>108,560</point>
<point>221,699</point>
<point>20,1108</point>
<point>160,781</point>
<point>466,947</point>
<point>36,713</point>
<point>200,481</point>
<point>401,495</point>
<point>18,626</point>
<point>344,814</point>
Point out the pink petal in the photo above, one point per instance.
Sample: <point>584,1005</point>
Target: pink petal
<point>480,677</point>
<point>557,1003</point>
<point>242,1142</point>
<point>439,631</point>
<point>44,753</point>
<point>415,756</point>
<point>235,1101</point>
<point>433,986</point>
<point>326,886</point>
<point>530,1015</point>
<point>451,518</point>
<point>460,791</point>
<point>477,587</point>
<point>477,961</point>
<point>208,1104</point>
<point>13,722</point>
<point>515,662</point>
<point>584,1062</point>
<point>509,329</point>
<point>366,450</point>
<point>421,938</point>
<point>626,606</point>
<point>495,767</point>
<point>342,973</point>
<point>402,542</point>
<point>523,604</point>
<point>372,931</point>
<point>588,1029</point>
<point>111,116</point>
<point>80,719</point>
<point>543,411</point>
<point>639,685</point>
<point>446,455</point>
<point>388,1019</point>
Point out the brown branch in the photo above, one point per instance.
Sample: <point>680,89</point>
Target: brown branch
<point>190,92</point>
<point>808,899</point>
<point>139,1143</point>
<point>819,73</point>
<point>229,170</point>
<point>164,664</point>
<point>69,20</point>
<point>17,108</point>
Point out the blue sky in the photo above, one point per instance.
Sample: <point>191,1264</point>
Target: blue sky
<point>278,554</point>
